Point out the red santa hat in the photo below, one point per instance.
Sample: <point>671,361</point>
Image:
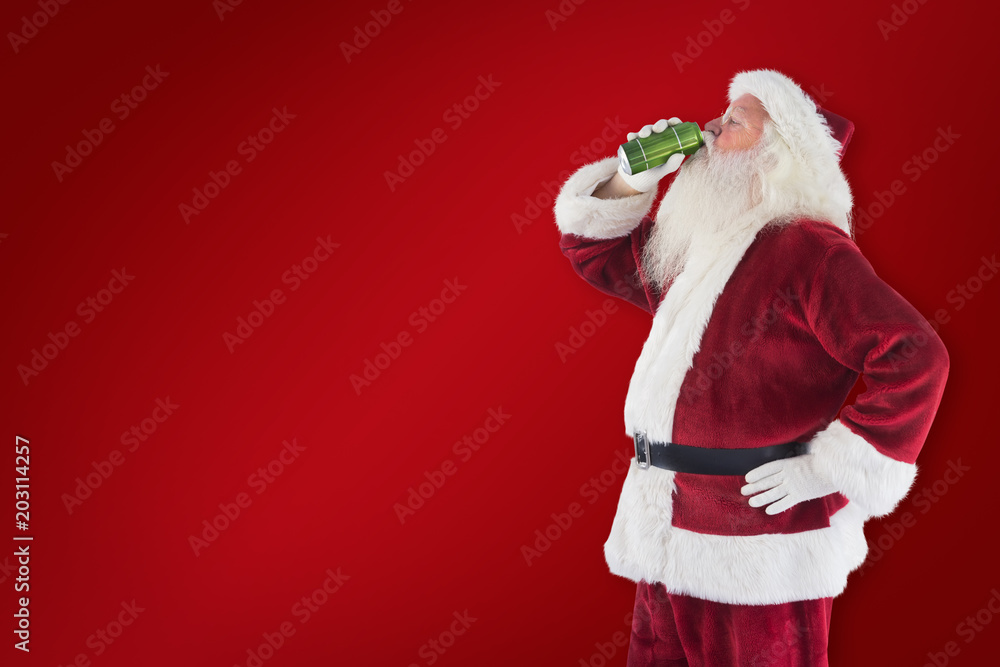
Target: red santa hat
<point>816,139</point>
<point>841,128</point>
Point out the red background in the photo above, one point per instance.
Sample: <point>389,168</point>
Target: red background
<point>493,347</point>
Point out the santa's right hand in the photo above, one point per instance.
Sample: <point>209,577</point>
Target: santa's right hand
<point>658,126</point>
<point>645,181</point>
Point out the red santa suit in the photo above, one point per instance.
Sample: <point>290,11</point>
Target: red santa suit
<point>757,342</point>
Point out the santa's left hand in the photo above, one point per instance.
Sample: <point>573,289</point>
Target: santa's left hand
<point>785,483</point>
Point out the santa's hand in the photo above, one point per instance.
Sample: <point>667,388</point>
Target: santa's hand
<point>645,181</point>
<point>785,483</point>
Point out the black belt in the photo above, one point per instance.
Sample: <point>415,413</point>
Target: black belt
<point>705,461</point>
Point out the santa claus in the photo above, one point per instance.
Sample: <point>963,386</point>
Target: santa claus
<point>742,512</point>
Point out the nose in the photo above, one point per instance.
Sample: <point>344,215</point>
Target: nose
<point>714,126</point>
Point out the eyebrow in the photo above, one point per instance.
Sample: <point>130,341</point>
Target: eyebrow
<point>746,114</point>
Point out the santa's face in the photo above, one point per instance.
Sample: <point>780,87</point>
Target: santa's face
<point>714,197</point>
<point>741,127</point>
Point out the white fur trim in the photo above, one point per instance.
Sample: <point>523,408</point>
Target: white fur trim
<point>639,533</point>
<point>675,336</point>
<point>805,132</point>
<point>753,569</point>
<point>593,218</point>
<point>867,477</point>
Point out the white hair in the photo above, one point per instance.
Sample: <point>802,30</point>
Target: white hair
<point>792,173</point>
<point>807,176</point>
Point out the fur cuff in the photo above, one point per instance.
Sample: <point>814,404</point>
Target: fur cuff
<point>593,218</point>
<point>864,475</point>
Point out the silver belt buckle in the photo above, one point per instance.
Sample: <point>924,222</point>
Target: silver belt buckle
<point>641,449</point>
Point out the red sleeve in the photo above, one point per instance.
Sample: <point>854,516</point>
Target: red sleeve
<point>613,265</point>
<point>868,327</point>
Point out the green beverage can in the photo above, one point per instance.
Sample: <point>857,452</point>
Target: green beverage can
<point>640,154</point>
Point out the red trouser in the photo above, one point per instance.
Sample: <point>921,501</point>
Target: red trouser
<point>676,630</point>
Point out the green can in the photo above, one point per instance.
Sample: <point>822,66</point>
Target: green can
<point>640,154</point>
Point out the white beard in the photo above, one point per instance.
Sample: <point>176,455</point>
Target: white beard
<point>715,196</point>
